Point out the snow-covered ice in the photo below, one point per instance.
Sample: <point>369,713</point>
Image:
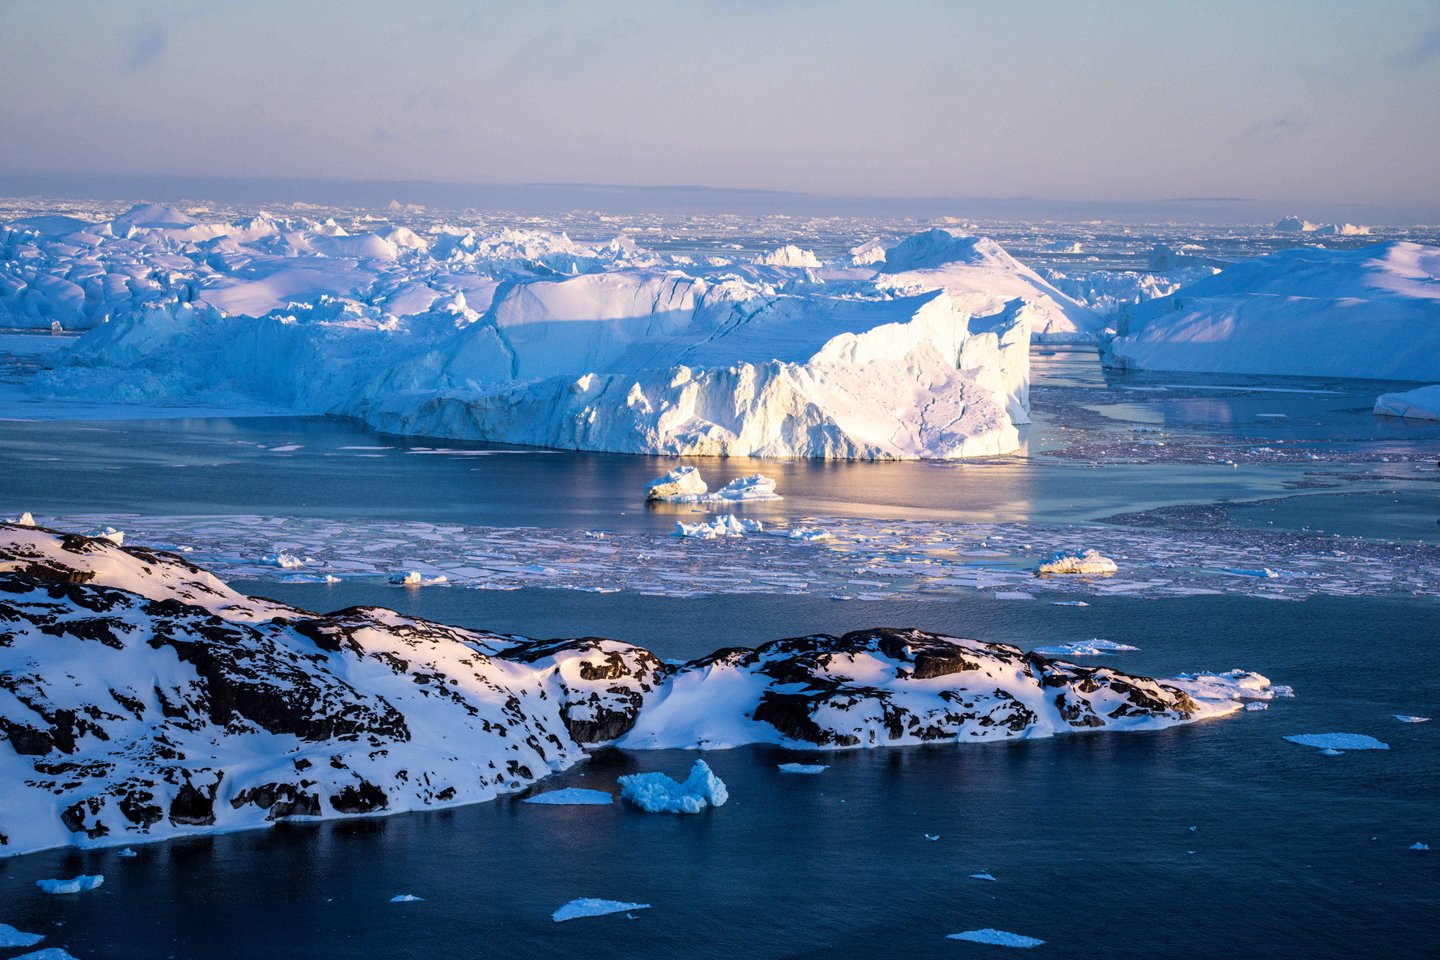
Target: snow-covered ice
<point>997,938</point>
<point>685,485</point>
<point>78,884</point>
<point>573,797</point>
<point>724,525</point>
<point>657,793</point>
<point>1085,648</point>
<point>679,484</point>
<point>591,907</point>
<point>1338,741</point>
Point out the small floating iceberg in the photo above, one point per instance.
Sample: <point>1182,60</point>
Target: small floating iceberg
<point>591,907</point>
<point>997,938</point>
<point>413,578</point>
<point>406,898</point>
<point>1422,403</point>
<point>10,937</point>
<point>677,485</point>
<point>803,767</point>
<point>1089,561</point>
<point>813,534</point>
<point>1405,718</point>
<point>1338,741</point>
<point>1085,648</point>
<point>573,797</point>
<point>116,537</point>
<point>657,793</point>
<point>282,559</point>
<point>77,885</point>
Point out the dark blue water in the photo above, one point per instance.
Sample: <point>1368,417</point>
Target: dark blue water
<point>1295,854</point>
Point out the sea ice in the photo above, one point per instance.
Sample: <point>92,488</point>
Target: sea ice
<point>406,898</point>
<point>981,876</point>
<point>1403,718</point>
<point>10,937</point>
<point>1417,845</point>
<point>49,953</point>
<point>590,907</point>
<point>813,534</point>
<point>573,797</point>
<point>283,560</point>
<point>1089,561</point>
<point>76,885</point>
<point>998,938</point>
<point>127,853</point>
<point>803,767</point>
<point>679,484</point>
<point>116,537</point>
<point>657,793</point>
<point>1338,741</point>
<point>413,578</point>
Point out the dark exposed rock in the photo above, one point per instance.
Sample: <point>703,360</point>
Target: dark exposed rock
<point>363,797</point>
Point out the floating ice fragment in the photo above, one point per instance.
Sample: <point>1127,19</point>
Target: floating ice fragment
<point>10,937</point>
<point>1417,845</point>
<point>1085,648</point>
<point>127,852</point>
<point>998,938</point>
<point>932,837</point>
<point>49,953</point>
<point>1255,706</point>
<point>809,533</point>
<point>682,482</point>
<point>413,578</point>
<point>116,537</point>
<point>590,907</point>
<point>573,797</point>
<point>76,885</point>
<point>657,793</point>
<point>1013,595</point>
<point>282,559</point>
<point>982,876</point>
<point>1338,741</point>
<point>1329,752</point>
<point>725,525</point>
<point>803,767</point>
<point>24,520</point>
<point>406,898</point>
<point>1090,561</point>
<point>1069,603</point>
<point>1403,718</point>
<point>286,448</point>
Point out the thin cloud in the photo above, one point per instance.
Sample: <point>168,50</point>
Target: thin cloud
<point>1283,126</point>
<point>149,45</point>
<point>1420,53</point>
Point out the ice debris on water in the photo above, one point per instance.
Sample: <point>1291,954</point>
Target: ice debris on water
<point>998,938</point>
<point>1404,718</point>
<point>1255,707</point>
<point>76,885</point>
<point>932,837</point>
<point>982,876</point>
<point>49,953</point>
<point>725,525</point>
<point>685,485</point>
<point>657,793</point>
<point>127,852</point>
<point>1417,845</point>
<point>413,578</point>
<point>406,898</point>
<point>813,534</point>
<point>282,559</point>
<point>1339,742</point>
<point>592,907</point>
<point>1085,648</point>
<point>572,797</point>
<point>116,537</point>
<point>803,767</point>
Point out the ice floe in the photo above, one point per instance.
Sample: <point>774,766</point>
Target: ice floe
<point>1089,561</point>
<point>1338,741</point>
<point>1407,718</point>
<point>591,907</point>
<point>573,797</point>
<point>1422,403</point>
<point>724,525</point>
<point>1085,648</point>
<point>657,793</point>
<point>685,485</point>
<point>802,767</point>
<point>10,937</point>
<point>406,898</point>
<point>78,884</point>
<point>997,938</point>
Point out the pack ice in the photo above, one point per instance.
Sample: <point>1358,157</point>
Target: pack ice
<point>1371,312</point>
<point>527,337</point>
<point>143,698</point>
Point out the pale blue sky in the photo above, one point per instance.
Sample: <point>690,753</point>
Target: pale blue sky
<point>1306,102</point>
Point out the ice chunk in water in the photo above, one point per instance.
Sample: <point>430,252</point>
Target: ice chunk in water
<point>76,885</point>
<point>573,797</point>
<point>10,937</point>
<point>1338,741</point>
<point>998,938</point>
<point>657,793</point>
<point>591,907</point>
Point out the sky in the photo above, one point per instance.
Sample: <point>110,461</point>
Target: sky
<point>1302,105</point>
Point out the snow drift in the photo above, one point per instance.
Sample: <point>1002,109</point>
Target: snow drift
<point>142,698</point>
<point>1371,312</point>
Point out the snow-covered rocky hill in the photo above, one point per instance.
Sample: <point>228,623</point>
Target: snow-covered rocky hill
<point>142,698</point>
<point>1368,312</point>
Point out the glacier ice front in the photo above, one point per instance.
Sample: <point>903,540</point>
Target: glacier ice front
<point>527,337</point>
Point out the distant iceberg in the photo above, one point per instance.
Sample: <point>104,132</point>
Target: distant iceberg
<point>1422,403</point>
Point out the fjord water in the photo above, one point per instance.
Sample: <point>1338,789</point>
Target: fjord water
<point>1295,854</point>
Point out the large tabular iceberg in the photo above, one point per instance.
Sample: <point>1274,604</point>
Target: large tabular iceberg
<point>1371,312</point>
<point>527,337</point>
<point>142,698</point>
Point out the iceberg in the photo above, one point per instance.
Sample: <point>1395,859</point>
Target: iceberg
<point>1422,403</point>
<point>572,797</point>
<point>10,937</point>
<point>657,793</point>
<point>685,485</point>
<point>1370,312</point>
<point>1338,741</point>
<point>406,898</point>
<point>810,768</point>
<point>725,525</point>
<point>788,256</point>
<point>590,907</point>
<point>78,884</point>
<point>679,484</point>
<point>1077,562</point>
<point>1086,648</point>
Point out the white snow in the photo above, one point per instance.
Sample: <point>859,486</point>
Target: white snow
<point>1422,403</point>
<point>75,885</point>
<point>1088,561</point>
<point>1338,741</point>
<point>657,793</point>
<point>590,907</point>
<point>1370,312</point>
<point>998,938</point>
<point>10,937</point>
<point>573,797</point>
<point>803,767</point>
